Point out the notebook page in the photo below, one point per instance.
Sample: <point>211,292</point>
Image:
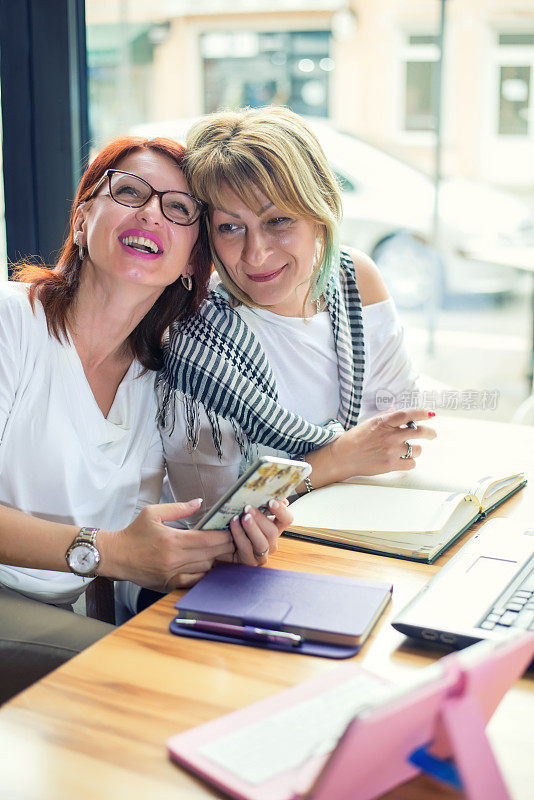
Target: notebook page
<point>464,452</point>
<point>374,508</point>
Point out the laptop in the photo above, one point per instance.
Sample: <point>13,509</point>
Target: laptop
<point>486,589</point>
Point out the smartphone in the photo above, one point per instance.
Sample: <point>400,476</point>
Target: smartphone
<point>269,478</point>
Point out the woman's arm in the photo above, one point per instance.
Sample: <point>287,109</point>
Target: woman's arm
<point>376,444</point>
<point>147,551</point>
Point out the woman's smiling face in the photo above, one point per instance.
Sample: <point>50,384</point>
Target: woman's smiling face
<point>139,245</point>
<point>268,253</point>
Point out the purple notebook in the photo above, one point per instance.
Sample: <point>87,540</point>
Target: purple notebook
<point>332,615</point>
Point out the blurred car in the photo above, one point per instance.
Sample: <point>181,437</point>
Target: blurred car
<point>388,212</point>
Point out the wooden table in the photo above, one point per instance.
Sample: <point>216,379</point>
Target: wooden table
<point>96,727</point>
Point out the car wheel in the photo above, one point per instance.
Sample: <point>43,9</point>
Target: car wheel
<point>409,268</point>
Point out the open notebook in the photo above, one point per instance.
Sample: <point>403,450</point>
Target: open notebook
<point>470,469</point>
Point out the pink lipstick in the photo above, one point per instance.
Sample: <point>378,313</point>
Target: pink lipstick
<point>267,276</point>
<point>140,243</point>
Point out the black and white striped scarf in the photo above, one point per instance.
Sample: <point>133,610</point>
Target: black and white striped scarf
<point>214,360</point>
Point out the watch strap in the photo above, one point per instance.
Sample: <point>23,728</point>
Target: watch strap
<point>87,536</point>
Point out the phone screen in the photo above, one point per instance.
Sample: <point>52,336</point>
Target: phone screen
<point>269,478</point>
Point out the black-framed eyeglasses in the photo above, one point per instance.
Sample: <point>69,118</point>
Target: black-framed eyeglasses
<point>130,190</point>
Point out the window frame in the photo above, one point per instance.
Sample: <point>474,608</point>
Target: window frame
<point>511,55</point>
<point>45,140</point>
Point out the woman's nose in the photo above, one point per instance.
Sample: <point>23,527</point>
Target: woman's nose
<point>151,211</point>
<point>256,248</point>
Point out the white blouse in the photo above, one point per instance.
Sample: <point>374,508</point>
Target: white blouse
<point>304,363</point>
<point>60,458</point>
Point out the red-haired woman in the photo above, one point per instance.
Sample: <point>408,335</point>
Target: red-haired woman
<point>80,453</point>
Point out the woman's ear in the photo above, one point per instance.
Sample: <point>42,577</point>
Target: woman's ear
<point>78,226</point>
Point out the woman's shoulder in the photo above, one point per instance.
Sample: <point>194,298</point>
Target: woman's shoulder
<point>15,304</point>
<point>370,283</point>
<point>214,313</point>
<point>13,293</point>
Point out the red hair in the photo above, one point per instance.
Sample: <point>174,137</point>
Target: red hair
<point>56,287</point>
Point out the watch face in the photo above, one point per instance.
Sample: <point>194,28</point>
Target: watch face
<point>83,559</point>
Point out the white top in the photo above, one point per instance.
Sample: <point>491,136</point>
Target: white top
<point>303,359</point>
<point>60,458</point>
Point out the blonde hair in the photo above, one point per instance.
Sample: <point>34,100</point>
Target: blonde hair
<point>273,150</point>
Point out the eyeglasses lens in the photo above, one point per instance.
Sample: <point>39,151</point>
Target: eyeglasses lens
<point>128,190</point>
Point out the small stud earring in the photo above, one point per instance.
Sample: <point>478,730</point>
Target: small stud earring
<point>187,282</point>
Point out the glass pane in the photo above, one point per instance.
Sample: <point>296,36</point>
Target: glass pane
<point>256,69</point>
<point>3,248</point>
<point>514,96</point>
<point>516,38</point>
<point>420,105</point>
<point>423,39</point>
<point>153,66</point>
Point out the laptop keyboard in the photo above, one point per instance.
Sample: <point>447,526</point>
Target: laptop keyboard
<point>516,612</point>
<point>285,740</point>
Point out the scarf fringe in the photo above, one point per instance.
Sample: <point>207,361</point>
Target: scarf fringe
<point>166,418</point>
<point>245,446</point>
<point>165,397</point>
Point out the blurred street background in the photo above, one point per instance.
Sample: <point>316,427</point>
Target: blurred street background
<point>425,109</point>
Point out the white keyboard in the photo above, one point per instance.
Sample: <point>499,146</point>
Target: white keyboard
<point>286,739</point>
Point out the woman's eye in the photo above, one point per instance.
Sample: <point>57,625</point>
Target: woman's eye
<point>126,191</point>
<point>227,227</point>
<point>180,207</point>
<point>278,222</point>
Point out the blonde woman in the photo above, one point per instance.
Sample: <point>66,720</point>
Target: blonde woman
<point>297,338</point>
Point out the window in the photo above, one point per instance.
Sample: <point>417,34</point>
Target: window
<point>120,60</point>
<point>515,58</point>
<point>3,248</point>
<point>250,68</point>
<point>421,58</point>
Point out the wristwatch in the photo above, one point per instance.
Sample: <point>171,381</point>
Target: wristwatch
<point>82,556</point>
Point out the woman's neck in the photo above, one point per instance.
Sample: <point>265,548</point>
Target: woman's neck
<point>104,315</point>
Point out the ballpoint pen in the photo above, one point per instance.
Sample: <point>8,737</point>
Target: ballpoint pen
<point>246,632</point>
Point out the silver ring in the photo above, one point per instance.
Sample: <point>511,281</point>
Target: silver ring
<point>408,451</point>
<point>260,555</point>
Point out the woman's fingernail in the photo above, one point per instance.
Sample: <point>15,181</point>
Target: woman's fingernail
<point>247,509</point>
<point>273,504</point>
<point>196,502</point>
<point>431,413</point>
<point>236,518</point>
<point>247,518</point>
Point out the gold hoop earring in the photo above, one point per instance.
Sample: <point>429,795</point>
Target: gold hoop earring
<point>187,282</point>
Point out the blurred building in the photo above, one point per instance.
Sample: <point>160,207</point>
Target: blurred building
<point>370,65</point>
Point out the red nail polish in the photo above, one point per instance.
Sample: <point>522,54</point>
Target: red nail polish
<point>431,413</point>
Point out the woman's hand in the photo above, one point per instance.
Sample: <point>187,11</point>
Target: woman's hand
<point>256,535</point>
<point>159,557</point>
<point>377,445</point>
<point>162,558</point>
